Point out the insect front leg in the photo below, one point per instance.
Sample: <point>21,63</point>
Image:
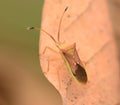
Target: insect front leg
<point>49,61</point>
<point>54,59</point>
<point>44,51</point>
<point>49,48</point>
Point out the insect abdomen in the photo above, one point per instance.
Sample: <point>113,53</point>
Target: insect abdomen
<point>80,74</point>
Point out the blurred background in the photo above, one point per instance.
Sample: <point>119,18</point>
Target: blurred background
<point>114,8</point>
<point>21,79</point>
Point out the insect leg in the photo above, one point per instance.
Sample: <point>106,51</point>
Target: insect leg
<point>84,63</point>
<point>58,74</point>
<point>49,49</point>
<point>49,60</point>
<point>59,79</point>
<point>48,64</point>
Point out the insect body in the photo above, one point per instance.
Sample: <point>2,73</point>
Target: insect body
<point>74,64</point>
<point>70,56</point>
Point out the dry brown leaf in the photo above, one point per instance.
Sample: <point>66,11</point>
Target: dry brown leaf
<point>87,23</point>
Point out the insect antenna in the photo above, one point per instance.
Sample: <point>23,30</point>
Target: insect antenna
<point>36,28</point>
<point>58,38</point>
<point>49,35</point>
<point>60,24</point>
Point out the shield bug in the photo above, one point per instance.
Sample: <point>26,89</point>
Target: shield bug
<point>70,56</point>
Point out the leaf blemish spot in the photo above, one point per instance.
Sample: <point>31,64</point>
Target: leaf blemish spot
<point>75,97</point>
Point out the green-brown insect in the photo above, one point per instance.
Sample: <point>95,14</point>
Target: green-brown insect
<point>70,56</point>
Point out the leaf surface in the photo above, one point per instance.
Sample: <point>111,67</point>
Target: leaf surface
<point>87,23</point>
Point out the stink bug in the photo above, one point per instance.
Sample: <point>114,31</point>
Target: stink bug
<point>70,56</point>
